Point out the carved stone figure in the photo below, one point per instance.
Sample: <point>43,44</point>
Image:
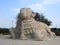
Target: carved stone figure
<point>28,28</point>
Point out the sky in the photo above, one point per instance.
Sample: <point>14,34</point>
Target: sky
<point>10,8</point>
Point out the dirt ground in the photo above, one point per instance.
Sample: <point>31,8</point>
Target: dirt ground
<point>4,40</point>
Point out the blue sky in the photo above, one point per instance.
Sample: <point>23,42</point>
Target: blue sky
<point>10,8</point>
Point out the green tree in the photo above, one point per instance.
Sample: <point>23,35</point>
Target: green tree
<point>41,18</point>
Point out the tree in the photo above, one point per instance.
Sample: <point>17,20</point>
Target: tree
<point>4,31</point>
<point>41,18</point>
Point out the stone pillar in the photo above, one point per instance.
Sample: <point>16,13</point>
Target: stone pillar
<point>11,30</point>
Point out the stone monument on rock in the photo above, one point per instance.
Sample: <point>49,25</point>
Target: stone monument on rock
<point>28,28</point>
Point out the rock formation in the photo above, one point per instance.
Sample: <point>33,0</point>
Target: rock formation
<point>28,28</point>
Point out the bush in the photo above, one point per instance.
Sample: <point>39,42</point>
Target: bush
<point>56,31</point>
<point>4,31</point>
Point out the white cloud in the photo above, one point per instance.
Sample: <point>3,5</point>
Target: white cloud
<point>51,1</point>
<point>16,10</point>
<point>36,6</point>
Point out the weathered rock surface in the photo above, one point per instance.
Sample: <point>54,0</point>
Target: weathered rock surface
<point>28,28</point>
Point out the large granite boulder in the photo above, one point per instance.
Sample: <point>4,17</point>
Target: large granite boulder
<point>28,28</point>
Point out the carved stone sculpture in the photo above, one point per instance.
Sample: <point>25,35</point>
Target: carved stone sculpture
<point>28,28</point>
